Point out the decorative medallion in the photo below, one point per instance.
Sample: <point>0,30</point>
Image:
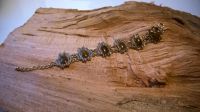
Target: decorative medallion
<point>84,54</point>
<point>136,42</point>
<point>121,46</point>
<point>103,49</point>
<point>63,60</point>
<point>154,35</point>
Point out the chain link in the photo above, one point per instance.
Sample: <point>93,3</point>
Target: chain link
<point>39,67</point>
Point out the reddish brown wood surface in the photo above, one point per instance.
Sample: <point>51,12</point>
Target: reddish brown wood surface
<point>161,77</point>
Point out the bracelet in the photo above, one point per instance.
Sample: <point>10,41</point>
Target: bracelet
<point>103,49</point>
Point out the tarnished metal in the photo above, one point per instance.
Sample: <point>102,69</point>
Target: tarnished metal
<point>103,49</point>
<point>39,67</point>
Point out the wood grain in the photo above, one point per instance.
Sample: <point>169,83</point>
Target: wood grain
<point>161,77</point>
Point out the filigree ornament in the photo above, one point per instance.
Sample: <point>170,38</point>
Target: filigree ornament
<point>121,46</point>
<point>154,34</point>
<point>63,60</point>
<point>103,49</point>
<point>136,42</point>
<point>84,54</point>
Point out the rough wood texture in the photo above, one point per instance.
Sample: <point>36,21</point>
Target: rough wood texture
<point>162,77</point>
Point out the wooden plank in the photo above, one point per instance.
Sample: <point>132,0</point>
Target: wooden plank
<point>119,83</point>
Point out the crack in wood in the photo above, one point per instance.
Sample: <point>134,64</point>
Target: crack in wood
<point>63,33</point>
<point>28,34</point>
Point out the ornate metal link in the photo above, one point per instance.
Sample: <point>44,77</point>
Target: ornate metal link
<point>74,58</point>
<point>84,54</point>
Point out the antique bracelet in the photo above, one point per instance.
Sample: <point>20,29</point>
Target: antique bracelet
<point>103,49</point>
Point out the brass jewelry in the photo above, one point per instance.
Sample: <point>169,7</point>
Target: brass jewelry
<point>103,49</point>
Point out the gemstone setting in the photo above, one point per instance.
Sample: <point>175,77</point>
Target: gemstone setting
<point>136,42</point>
<point>154,34</point>
<point>121,46</point>
<point>103,49</point>
<point>63,60</point>
<point>84,54</point>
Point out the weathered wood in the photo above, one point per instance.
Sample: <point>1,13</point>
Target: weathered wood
<point>161,77</point>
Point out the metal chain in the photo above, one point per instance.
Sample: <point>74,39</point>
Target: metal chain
<point>39,67</point>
